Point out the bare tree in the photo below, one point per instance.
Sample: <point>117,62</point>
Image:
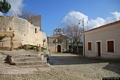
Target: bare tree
<point>74,34</point>
<point>27,15</point>
<point>33,18</point>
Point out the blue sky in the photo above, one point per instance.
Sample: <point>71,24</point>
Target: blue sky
<point>53,11</point>
<point>59,13</point>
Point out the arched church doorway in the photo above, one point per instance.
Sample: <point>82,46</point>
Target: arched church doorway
<point>58,48</point>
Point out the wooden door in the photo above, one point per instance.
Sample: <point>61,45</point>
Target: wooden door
<point>99,48</point>
<point>58,48</point>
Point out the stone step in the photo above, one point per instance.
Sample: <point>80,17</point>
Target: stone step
<point>31,63</point>
<point>26,55</point>
<point>34,66</point>
<point>2,59</point>
<point>27,59</point>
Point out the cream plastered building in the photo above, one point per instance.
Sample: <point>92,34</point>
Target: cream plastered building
<point>21,33</point>
<point>103,41</point>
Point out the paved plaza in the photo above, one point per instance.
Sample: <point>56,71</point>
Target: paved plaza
<point>64,66</point>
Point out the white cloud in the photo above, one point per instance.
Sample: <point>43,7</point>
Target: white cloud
<point>73,17</point>
<point>16,7</point>
<point>1,14</point>
<point>116,15</point>
<point>97,22</point>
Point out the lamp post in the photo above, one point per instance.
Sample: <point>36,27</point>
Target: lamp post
<point>82,23</point>
<point>81,20</point>
<point>83,37</point>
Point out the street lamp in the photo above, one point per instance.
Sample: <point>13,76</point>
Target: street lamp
<point>82,23</point>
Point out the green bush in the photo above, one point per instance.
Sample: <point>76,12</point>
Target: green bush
<point>42,49</point>
<point>29,47</point>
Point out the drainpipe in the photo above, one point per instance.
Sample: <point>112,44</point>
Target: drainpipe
<point>83,44</point>
<point>55,46</point>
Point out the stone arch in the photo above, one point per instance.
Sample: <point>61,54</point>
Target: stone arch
<point>58,48</point>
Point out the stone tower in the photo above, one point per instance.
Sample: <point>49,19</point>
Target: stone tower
<point>36,21</point>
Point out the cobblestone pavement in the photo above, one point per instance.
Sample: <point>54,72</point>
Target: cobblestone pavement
<point>64,66</point>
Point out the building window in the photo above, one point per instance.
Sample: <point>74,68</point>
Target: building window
<point>10,28</point>
<point>35,30</point>
<point>110,46</point>
<point>89,46</point>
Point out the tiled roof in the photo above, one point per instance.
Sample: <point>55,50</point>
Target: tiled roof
<point>103,26</point>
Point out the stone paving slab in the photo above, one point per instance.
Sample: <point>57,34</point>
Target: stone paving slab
<point>64,67</point>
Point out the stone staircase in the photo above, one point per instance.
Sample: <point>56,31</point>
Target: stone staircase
<point>29,60</point>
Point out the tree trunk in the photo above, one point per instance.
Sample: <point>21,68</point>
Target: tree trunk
<point>73,47</point>
<point>77,48</point>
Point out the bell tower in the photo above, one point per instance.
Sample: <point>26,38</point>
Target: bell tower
<point>57,31</point>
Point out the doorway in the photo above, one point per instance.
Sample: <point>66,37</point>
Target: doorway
<point>99,49</point>
<point>58,48</point>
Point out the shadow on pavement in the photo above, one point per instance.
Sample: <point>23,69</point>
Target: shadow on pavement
<point>114,65</point>
<point>70,60</point>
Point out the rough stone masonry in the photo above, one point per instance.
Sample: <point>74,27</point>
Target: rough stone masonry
<point>23,33</point>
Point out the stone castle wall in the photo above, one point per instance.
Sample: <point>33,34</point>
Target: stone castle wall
<point>24,32</point>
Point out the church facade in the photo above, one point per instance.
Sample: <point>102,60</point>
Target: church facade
<point>57,42</point>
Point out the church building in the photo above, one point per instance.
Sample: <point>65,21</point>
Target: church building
<point>57,42</point>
